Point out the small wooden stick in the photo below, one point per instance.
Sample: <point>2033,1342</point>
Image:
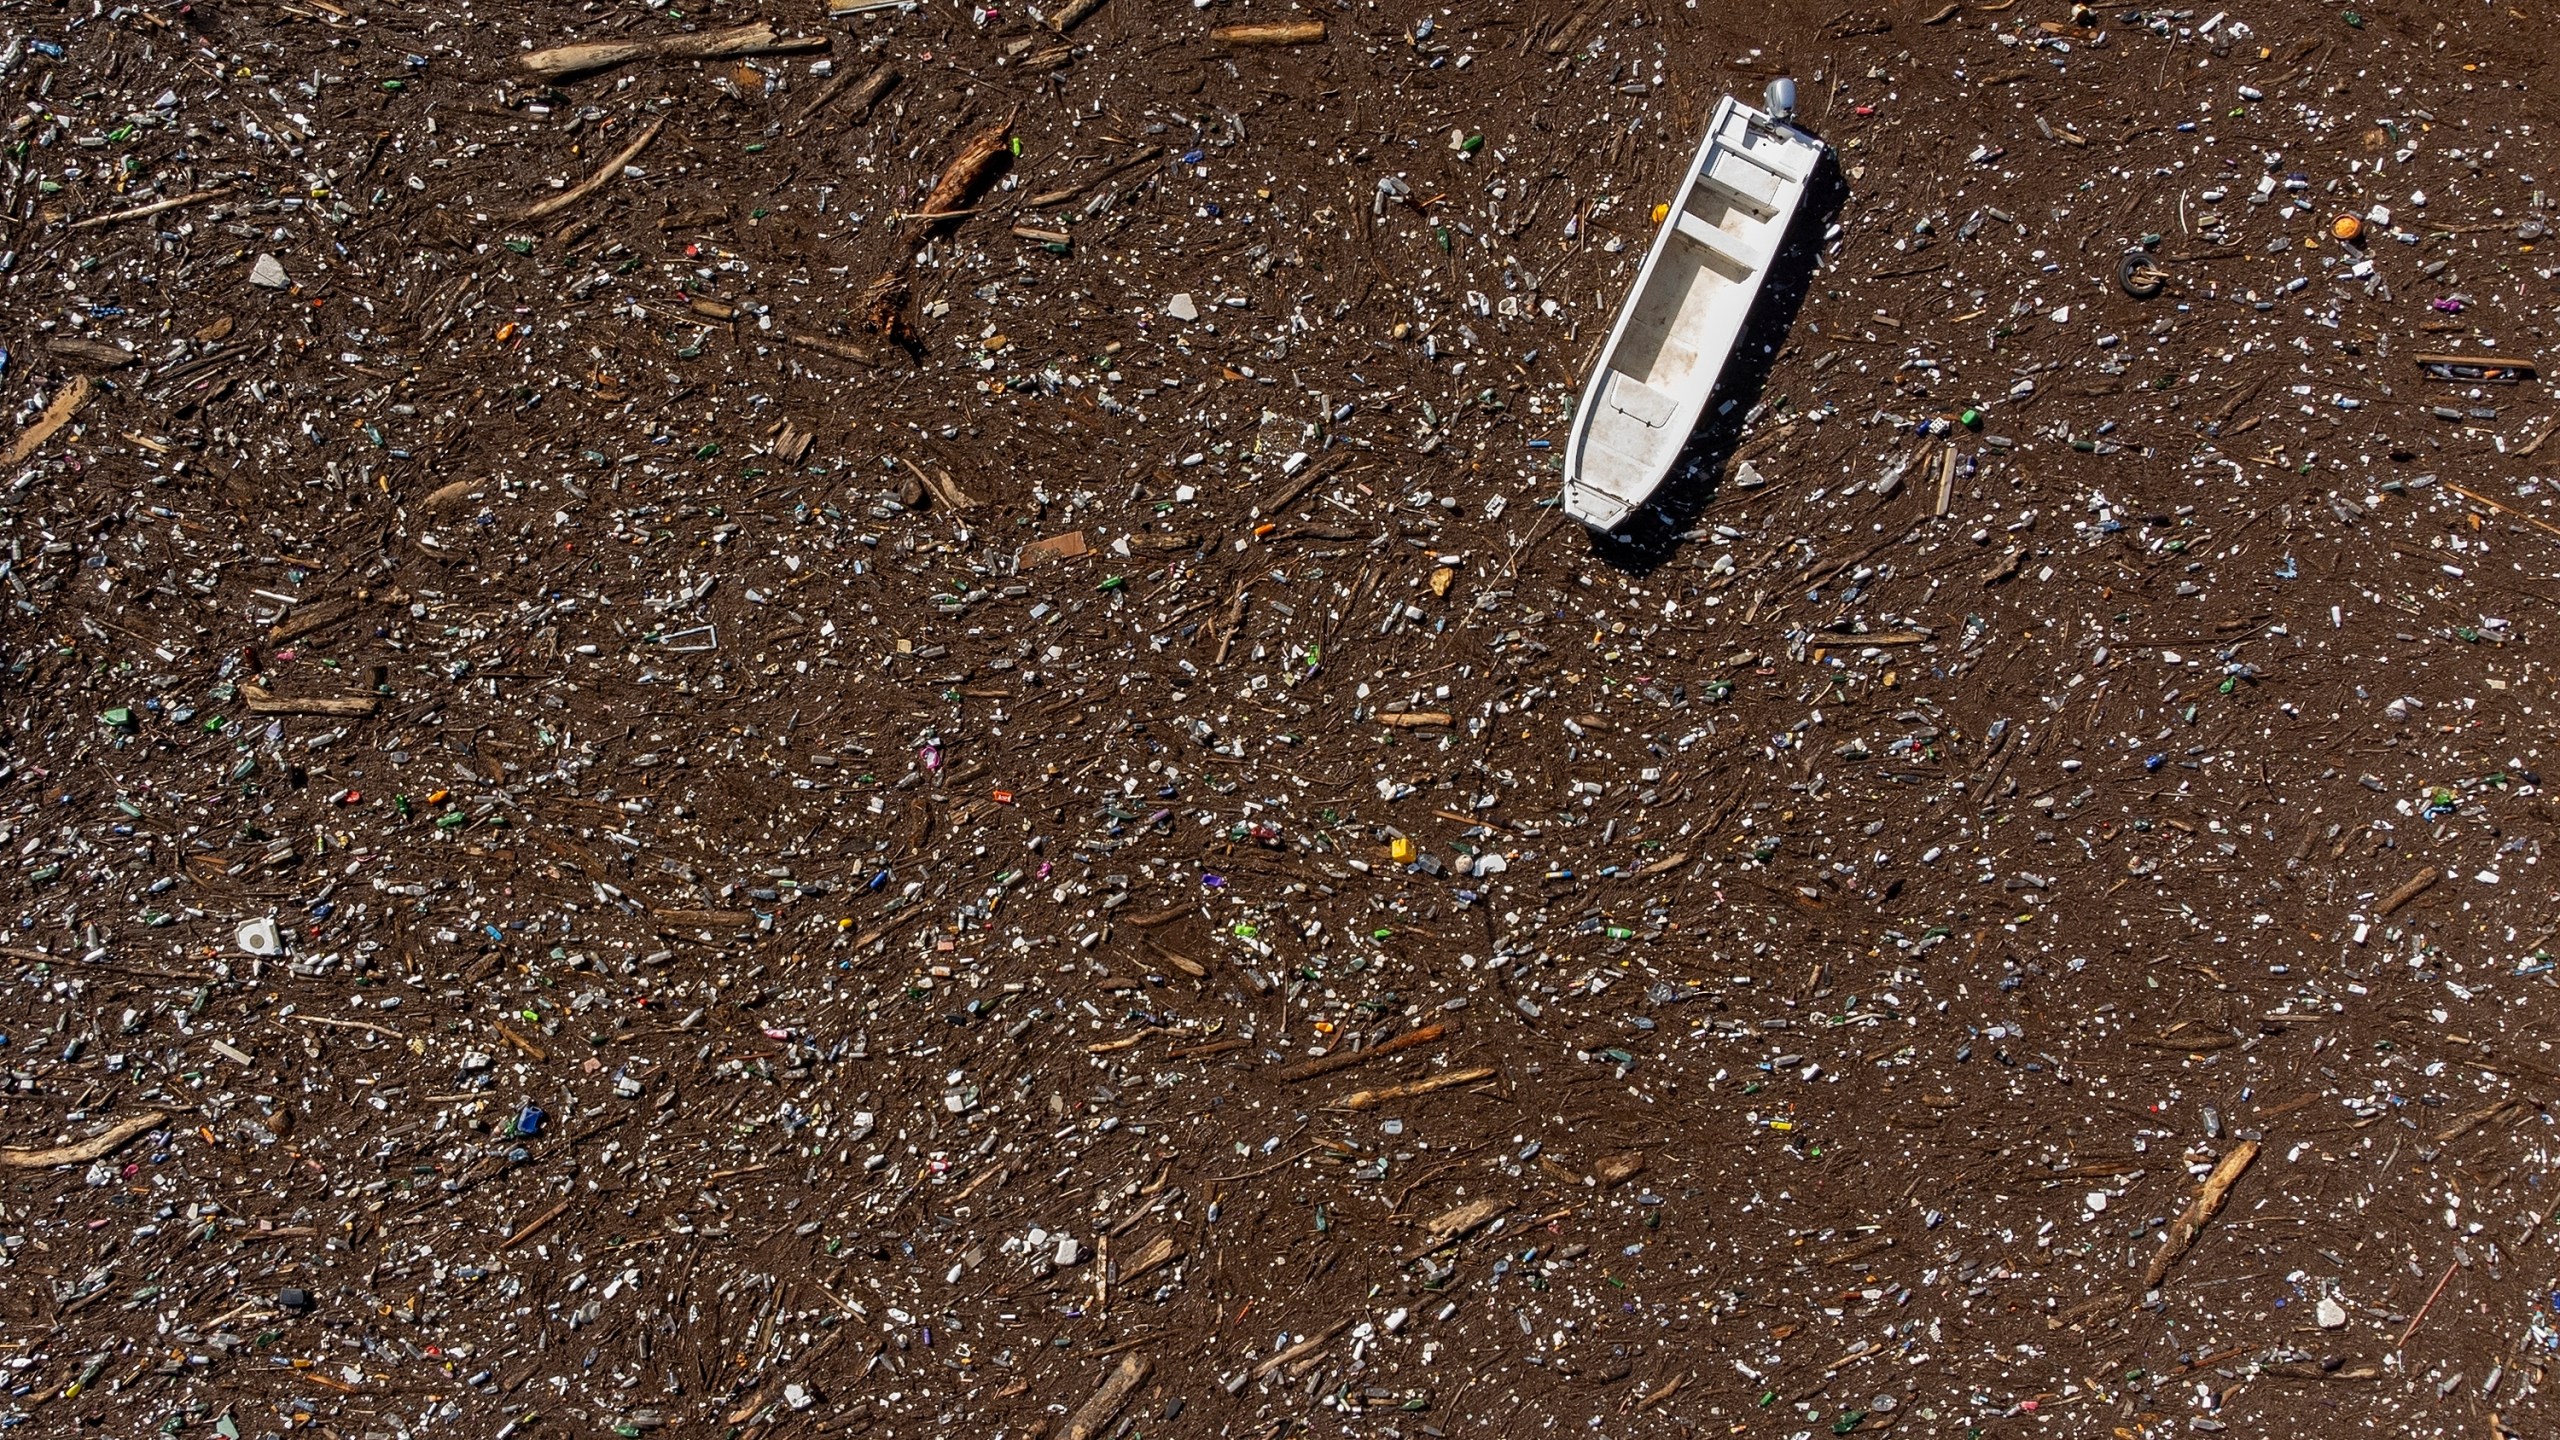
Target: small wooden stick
<point>366,1026</point>
<point>568,61</point>
<point>155,207</point>
<point>1327,1064</point>
<point>2208,1203</point>
<point>2543,525</point>
<point>598,180</point>
<point>310,618</point>
<point>55,416</point>
<point>1289,32</point>
<point>2197,1044</point>
<point>1235,623</point>
<point>1097,1412</point>
<point>521,1043</point>
<point>1207,1048</point>
<point>1073,14</point>
<point>878,83</point>
<point>1668,1388</point>
<point>1372,1099</point>
<point>1302,1349</point>
<point>1157,1253</point>
<point>262,703</point>
<point>826,345</point>
<point>1458,1222</point>
<point>536,1223</point>
<point>1306,481</point>
<point>2418,885</point>
<point>97,1147</point>
<point>1061,196</point>
<point>2423,1309</point>
<point>1265,1170</point>
<point>944,492</point>
<point>874,88</point>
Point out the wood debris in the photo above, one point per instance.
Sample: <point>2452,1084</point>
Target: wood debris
<point>571,62</point>
<point>2184,1231</point>
<point>80,1152</point>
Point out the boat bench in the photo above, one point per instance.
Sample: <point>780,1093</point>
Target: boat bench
<point>1720,242</point>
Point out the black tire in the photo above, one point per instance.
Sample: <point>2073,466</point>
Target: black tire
<point>2136,277</point>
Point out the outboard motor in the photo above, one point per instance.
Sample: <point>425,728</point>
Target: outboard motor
<point>1780,100</point>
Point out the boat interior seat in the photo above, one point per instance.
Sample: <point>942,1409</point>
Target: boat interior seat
<point>1718,242</point>
<point>1745,178</point>
<point>1751,205</point>
<point>1638,401</point>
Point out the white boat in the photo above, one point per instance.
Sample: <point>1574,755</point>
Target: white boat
<point>1685,312</point>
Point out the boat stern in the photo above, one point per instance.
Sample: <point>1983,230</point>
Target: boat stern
<point>1596,508</point>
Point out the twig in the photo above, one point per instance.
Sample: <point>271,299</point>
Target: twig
<point>597,181</point>
<point>261,703</point>
<point>945,493</point>
<point>2538,524</point>
<point>1416,1183</point>
<point>1131,1343</point>
<point>536,1223</point>
<point>827,345</point>
<point>2418,885</point>
<point>1511,566</point>
<point>1207,1048</point>
<point>367,1026</point>
<point>1303,1348</point>
<point>1372,1099</point>
<point>1326,1065</point>
<point>2200,1212</point>
<point>875,85</point>
<point>106,1142</point>
<point>1047,198</point>
<point>1658,1396</point>
<point>39,957</point>
<point>1235,623</point>
<point>1073,14</point>
<point>518,1041</point>
<point>1287,32</point>
<point>1459,1221</point>
<point>2412,1328</point>
<point>1306,481</point>
<point>568,61</point>
<point>55,416</point>
<point>1104,1405</point>
<point>1265,1170</point>
<point>155,207</point>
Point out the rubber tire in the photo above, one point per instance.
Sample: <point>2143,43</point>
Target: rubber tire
<point>2129,276</point>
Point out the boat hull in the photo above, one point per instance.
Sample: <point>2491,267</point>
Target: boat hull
<point>1685,312</point>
